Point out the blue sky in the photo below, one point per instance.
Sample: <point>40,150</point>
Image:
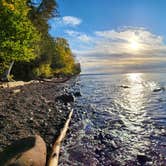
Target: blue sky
<point>114,35</point>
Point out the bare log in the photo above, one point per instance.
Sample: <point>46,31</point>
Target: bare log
<point>54,80</point>
<point>53,161</point>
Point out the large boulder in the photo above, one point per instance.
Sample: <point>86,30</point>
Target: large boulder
<point>29,151</point>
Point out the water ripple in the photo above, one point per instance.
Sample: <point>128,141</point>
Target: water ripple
<point>119,120</point>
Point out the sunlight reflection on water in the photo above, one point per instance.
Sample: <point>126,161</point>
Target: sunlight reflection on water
<point>133,99</point>
<point>117,118</point>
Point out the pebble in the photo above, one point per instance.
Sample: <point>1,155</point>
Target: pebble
<point>27,115</point>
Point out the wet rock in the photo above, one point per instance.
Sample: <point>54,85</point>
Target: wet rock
<point>159,89</point>
<point>76,155</point>
<point>109,136</point>
<point>84,139</point>
<point>114,145</point>
<point>124,86</point>
<point>100,137</point>
<point>66,98</point>
<point>142,159</point>
<point>77,94</point>
<point>98,152</point>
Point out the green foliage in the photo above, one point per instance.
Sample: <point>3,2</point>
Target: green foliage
<point>63,60</point>
<point>18,36</point>
<point>44,71</point>
<point>3,66</point>
<point>24,38</point>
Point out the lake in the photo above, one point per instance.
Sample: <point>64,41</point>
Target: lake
<point>120,119</point>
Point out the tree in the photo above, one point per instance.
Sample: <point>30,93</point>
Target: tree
<point>41,12</point>
<point>35,55</point>
<point>63,60</point>
<point>18,36</point>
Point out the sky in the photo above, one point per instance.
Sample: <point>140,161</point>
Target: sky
<point>114,35</point>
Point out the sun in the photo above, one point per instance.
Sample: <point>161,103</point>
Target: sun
<point>134,45</point>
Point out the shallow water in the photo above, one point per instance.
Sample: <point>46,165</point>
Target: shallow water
<point>118,120</point>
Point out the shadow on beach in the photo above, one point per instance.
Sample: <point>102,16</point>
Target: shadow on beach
<point>25,152</point>
<point>16,149</point>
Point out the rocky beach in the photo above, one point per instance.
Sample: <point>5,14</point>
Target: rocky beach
<point>40,107</point>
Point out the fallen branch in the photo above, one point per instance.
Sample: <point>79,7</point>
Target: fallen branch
<point>63,80</point>
<point>53,161</point>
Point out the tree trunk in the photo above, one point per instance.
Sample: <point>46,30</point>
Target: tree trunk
<point>6,75</point>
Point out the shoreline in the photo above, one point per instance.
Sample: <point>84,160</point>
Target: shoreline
<point>34,108</point>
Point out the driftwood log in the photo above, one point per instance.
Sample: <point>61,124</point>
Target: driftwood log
<point>53,161</point>
<point>25,152</point>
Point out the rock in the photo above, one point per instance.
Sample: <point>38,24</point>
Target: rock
<point>159,89</point>
<point>30,121</point>
<point>109,136</point>
<point>99,137</point>
<point>114,145</point>
<point>66,98</point>
<point>142,159</point>
<point>98,152</point>
<point>26,152</point>
<point>124,86</point>
<point>77,94</point>
<point>88,129</point>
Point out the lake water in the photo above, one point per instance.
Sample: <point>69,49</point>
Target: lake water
<point>119,120</point>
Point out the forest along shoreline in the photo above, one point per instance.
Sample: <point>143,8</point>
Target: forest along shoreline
<point>36,107</point>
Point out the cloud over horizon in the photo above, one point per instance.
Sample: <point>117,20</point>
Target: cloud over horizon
<point>118,41</point>
<point>112,47</point>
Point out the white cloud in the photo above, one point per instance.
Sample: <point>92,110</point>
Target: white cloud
<point>61,22</point>
<point>118,42</point>
<point>71,32</point>
<point>70,20</point>
<point>142,36</point>
<point>78,35</point>
<point>111,49</point>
